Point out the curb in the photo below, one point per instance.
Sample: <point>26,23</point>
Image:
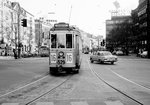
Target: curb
<point>6,57</point>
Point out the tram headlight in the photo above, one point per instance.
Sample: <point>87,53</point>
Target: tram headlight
<point>61,54</point>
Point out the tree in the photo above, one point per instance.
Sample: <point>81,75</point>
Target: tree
<point>120,36</point>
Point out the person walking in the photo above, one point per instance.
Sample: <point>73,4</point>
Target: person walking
<point>15,54</point>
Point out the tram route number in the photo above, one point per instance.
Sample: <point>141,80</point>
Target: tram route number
<point>53,57</point>
<point>69,58</point>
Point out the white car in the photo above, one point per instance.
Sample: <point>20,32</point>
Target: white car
<point>144,54</point>
<point>103,56</point>
<point>119,53</point>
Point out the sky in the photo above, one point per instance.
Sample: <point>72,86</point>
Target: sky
<point>88,15</point>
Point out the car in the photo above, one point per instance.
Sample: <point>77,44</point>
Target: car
<point>144,54</point>
<point>119,52</point>
<point>86,52</point>
<point>103,56</point>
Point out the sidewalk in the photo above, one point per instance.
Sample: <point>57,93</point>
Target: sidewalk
<point>27,58</point>
<point>6,57</point>
<point>131,56</point>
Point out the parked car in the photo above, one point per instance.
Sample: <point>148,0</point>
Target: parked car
<point>144,54</point>
<point>103,56</point>
<point>119,52</point>
<point>114,52</point>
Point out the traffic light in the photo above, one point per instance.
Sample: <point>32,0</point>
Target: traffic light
<point>103,42</point>
<point>24,22</point>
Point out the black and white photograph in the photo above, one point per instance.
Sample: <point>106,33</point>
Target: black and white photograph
<point>74,52</point>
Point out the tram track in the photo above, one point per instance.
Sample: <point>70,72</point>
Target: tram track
<point>47,92</point>
<point>144,87</point>
<point>35,80</point>
<point>32,92</point>
<point>113,87</point>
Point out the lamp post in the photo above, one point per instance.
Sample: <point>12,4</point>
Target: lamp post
<point>39,36</point>
<point>17,32</point>
<point>148,27</point>
<point>1,8</point>
<point>19,47</point>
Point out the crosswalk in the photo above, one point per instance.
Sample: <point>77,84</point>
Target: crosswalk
<point>74,103</point>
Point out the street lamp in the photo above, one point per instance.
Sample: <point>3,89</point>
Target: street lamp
<point>148,27</point>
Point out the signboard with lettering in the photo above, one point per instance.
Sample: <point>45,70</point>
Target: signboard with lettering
<point>120,12</point>
<point>61,25</point>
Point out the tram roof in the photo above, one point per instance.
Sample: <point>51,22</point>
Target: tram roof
<point>62,26</point>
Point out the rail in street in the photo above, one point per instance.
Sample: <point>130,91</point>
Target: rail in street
<point>115,88</point>
<point>101,84</point>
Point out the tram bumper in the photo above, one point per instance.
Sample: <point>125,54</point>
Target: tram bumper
<point>60,68</point>
<point>60,64</point>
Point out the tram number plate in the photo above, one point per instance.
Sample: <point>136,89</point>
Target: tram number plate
<point>53,57</point>
<point>69,58</point>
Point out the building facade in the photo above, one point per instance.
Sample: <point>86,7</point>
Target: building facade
<point>12,33</point>
<point>42,28</point>
<point>114,23</point>
<point>142,23</point>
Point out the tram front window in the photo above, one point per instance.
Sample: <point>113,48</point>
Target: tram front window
<point>61,41</point>
<point>68,40</point>
<point>53,40</point>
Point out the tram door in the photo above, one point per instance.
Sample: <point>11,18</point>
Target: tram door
<point>77,48</point>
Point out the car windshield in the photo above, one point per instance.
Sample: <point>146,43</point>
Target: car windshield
<point>106,54</point>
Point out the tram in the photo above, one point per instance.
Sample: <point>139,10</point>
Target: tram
<point>65,48</point>
<point>44,51</point>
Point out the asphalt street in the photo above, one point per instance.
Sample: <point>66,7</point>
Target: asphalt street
<point>130,75</point>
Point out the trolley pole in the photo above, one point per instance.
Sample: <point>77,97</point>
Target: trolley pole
<point>70,13</point>
<point>148,27</point>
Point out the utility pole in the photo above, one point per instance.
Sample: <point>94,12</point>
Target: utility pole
<point>15,52</point>
<point>30,37</point>
<point>19,44</point>
<point>2,21</point>
<point>148,27</point>
<point>19,49</point>
<point>98,44</point>
<point>39,36</point>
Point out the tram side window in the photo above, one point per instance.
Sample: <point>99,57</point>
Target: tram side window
<point>68,40</point>
<point>53,40</point>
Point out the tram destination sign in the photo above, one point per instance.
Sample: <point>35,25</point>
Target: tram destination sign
<point>61,25</point>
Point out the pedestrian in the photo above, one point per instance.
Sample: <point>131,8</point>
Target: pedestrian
<point>15,54</point>
<point>6,50</point>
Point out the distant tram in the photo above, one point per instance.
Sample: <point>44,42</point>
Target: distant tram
<point>44,51</point>
<point>65,49</point>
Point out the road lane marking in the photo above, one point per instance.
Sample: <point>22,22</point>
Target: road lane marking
<point>45,103</point>
<point>79,103</point>
<point>113,103</point>
<point>129,80</point>
<point>113,86</point>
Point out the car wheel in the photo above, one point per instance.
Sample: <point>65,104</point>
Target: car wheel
<point>112,62</point>
<point>102,62</point>
<point>76,71</point>
<point>91,60</point>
